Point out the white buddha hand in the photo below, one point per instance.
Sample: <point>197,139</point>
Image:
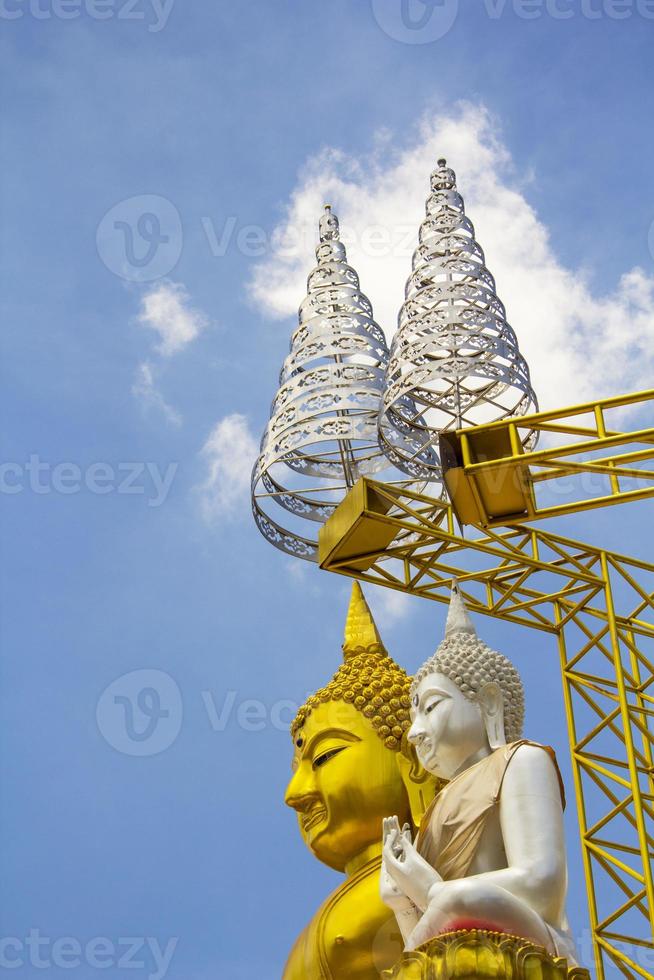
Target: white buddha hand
<point>407,874</point>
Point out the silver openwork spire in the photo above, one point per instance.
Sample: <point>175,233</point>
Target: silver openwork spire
<point>454,360</point>
<point>322,433</point>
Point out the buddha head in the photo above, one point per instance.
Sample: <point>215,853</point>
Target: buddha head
<point>352,764</point>
<point>466,700</point>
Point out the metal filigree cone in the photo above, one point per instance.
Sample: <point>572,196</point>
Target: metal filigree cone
<point>454,360</point>
<point>322,433</point>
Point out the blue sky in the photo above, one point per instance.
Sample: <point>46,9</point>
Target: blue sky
<point>242,115</point>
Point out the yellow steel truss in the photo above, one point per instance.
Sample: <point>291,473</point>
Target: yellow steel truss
<point>600,606</point>
<point>586,459</point>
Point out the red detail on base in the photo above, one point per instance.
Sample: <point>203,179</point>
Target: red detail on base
<point>468,924</point>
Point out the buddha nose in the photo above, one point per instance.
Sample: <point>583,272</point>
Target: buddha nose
<point>416,733</point>
<point>301,790</point>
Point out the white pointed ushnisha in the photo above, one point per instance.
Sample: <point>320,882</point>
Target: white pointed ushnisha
<point>458,618</point>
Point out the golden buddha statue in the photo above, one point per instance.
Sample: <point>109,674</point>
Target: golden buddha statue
<point>352,765</point>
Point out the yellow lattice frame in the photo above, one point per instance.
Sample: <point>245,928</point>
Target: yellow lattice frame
<point>493,482</point>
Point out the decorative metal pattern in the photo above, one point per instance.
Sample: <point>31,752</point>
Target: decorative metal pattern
<point>454,360</point>
<point>323,423</point>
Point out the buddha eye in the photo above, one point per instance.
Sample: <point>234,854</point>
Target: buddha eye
<point>430,707</point>
<point>326,756</point>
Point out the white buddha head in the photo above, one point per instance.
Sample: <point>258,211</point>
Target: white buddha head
<point>466,700</point>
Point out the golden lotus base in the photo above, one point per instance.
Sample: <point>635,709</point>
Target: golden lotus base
<point>479,955</point>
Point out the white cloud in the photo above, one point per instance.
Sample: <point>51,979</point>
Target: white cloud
<point>165,308</point>
<point>146,390</point>
<point>304,576</point>
<point>388,606</point>
<point>579,343</point>
<point>298,570</point>
<point>230,452</point>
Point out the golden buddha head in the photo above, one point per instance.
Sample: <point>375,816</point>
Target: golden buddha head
<point>348,740</point>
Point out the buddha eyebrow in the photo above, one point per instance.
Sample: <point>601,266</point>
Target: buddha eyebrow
<point>433,690</point>
<point>323,736</point>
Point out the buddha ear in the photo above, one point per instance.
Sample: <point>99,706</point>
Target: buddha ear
<point>491,702</point>
<point>421,787</point>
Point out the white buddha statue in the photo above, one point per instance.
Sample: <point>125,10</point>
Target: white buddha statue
<point>490,852</point>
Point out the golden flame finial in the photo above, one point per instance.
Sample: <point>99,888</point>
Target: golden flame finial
<point>361,633</point>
